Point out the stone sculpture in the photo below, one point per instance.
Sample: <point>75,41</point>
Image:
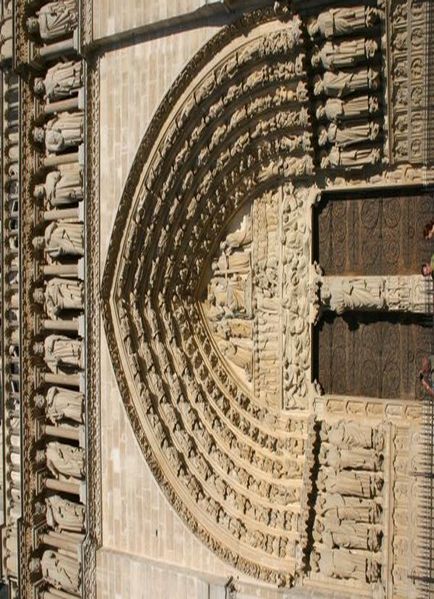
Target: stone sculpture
<point>54,20</point>
<point>335,109</point>
<point>61,132</point>
<point>347,136</point>
<point>356,457</point>
<point>62,404</point>
<point>350,158</point>
<point>345,54</point>
<point>63,514</point>
<point>340,563</point>
<point>64,238</point>
<point>347,534</point>
<point>62,187</point>
<point>62,571</point>
<point>345,293</point>
<point>352,434</point>
<point>339,84</point>
<point>65,461</point>
<point>407,293</point>
<point>356,483</point>
<point>342,21</point>
<point>332,506</point>
<point>60,351</point>
<point>60,294</point>
<point>60,81</point>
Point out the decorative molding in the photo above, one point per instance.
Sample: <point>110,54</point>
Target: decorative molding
<point>86,25</point>
<point>93,405</point>
<point>408,103</point>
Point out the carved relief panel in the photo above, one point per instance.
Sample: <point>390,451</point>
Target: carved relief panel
<point>408,40</point>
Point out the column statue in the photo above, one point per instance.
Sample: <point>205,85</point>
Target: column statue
<point>335,109</point>
<point>61,132</point>
<point>65,460</point>
<point>350,482</point>
<point>60,81</point>
<point>341,563</point>
<point>342,21</point>
<point>65,238</point>
<point>342,294</point>
<point>62,187</point>
<point>54,20</point>
<point>60,351</point>
<point>62,571</point>
<point>343,459</point>
<point>332,506</point>
<point>352,434</point>
<point>63,514</point>
<point>62,404</point>
<point>60,294</point>
<point>348,535</point>
<point>339,84</point>
<point>351,158</point>
<point>346,54</point>
<point>348,136</point>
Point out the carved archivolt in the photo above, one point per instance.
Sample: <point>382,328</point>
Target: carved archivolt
<point>193,322</point>
<point>208,291</point>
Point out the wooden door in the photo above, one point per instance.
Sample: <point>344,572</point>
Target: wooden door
<point>372,355</point>
<point>374,235</point>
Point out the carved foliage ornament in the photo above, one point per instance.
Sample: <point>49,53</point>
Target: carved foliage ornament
<point>195,293</point>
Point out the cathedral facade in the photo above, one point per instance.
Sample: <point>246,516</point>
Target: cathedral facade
<point>217,225</point>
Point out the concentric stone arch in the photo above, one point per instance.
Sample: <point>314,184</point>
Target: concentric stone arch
<point>233,127</point>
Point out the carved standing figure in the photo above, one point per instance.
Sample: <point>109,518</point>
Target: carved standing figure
<point>54,19</point>
<point>62,404</point>
<point>60,294</point>
<point>339,84</point>
<point>241,237</point>
<point>351,158</point>
<point>60,570</point>
<point>65,238</point>
<point>64,460</point>
<point>332,506</point>
<point>335,109</point>
<point>61,81</point>
<point>342,21</point>
<point>62,187</point>
<point>63,514</point>
<point>59,351</point>
<point>348,136</point>
<point>350,482</point>
<point>349,535</point>
<point>352,434</point>
<point>357,457</point>
<point>340,563</point>
<point>346,54</point>
<point>61,132</point>
<point>342,294</point>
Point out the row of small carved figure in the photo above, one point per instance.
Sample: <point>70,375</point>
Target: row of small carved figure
<point>59,403</point>
<point>347,60</point>
<point>348,527</point>
<point>10,333</point>
<point>183,410</point>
